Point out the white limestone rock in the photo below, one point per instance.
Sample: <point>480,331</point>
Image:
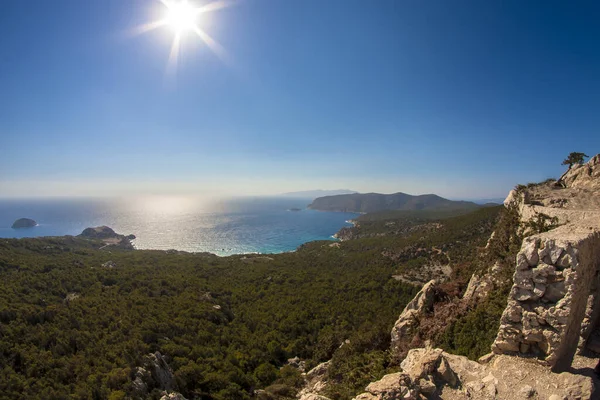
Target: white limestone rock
<point>408,320</point>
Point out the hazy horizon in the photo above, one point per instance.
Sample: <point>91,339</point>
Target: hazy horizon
<point>95,191</point>
<point>461,99</point>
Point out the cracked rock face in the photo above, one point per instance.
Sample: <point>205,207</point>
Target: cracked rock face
<point>155,373</point>
<point>315,382</point>
<point>408,321</point>
<point>551,296</point>
<point>584,175</point>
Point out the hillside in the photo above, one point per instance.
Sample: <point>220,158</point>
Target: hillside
<point>85,320</point>
<point>374,202</point>
<point>313,194</point>
<point>534,301</point>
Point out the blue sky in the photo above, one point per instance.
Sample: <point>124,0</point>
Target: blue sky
<point>460,98</point>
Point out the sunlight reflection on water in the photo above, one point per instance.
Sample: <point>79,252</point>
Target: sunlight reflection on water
<point>184,223</point>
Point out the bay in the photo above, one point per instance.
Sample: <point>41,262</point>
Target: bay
<point>224,227</point>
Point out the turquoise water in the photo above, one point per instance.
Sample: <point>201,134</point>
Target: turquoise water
<point>243,225</point>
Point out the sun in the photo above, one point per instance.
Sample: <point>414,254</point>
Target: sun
<point>181,16</point>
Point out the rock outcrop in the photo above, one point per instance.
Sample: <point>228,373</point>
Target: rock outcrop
<point>24,223</point>
<point>316,380</point>
<point>154,373</point>
<point>405,326</point>
<point>433,373</point>
<point>585,176</point>
<point>554,304</point>
<point>555,278</point>
<point>173,396</point>
<point>553,309</point>
<point>577,201</point>
<point>109,264</point>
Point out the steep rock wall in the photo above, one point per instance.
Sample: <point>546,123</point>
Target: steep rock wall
<point>554,304</point>
<point>554,281</point>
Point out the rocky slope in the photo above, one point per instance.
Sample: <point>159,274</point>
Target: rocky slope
<point>373,202</point>
<point>552,311</point>
<point>433,373</point>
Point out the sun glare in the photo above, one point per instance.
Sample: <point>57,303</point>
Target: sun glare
<point>181,16</point>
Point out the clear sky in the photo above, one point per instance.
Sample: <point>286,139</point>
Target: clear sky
<point>460,98</point>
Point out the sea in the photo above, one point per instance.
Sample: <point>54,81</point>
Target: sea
<point>219,226</point>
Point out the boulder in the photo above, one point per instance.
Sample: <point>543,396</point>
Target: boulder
<point>172,396</point>
<point>527,392</point>
<point>424,372</point>
<point>313,396</point>
<point>109,264</point>
<point>295,362</point>
<point>390,387</point>
<point>434,374</point>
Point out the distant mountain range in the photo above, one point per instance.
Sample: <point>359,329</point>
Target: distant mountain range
<point>372,202</point>
<point>319,193</point>
<point>496,201</point>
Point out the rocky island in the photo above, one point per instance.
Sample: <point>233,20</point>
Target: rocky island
<point>108,236</point>
<point>24,223</point>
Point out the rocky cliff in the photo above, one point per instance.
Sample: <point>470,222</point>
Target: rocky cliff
<point>551,323</point>
<point>554,305</point>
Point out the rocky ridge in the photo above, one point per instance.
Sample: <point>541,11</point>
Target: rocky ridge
<point>553,310</point>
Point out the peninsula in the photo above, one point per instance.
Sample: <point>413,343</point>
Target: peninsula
<point>373,202</point>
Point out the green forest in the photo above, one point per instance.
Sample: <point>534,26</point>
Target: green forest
<point>74,326</point>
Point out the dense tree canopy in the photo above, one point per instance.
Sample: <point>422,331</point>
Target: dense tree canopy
<point>70,328</point>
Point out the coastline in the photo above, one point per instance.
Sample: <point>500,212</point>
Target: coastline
<point>264,227</point>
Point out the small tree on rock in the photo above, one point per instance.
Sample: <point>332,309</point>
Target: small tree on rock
<point>574,158</point>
